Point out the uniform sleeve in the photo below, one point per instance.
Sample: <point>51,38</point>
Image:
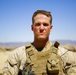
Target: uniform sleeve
<point>15,61</point>
<point>69,59</point>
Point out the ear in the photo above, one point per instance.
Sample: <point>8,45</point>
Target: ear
<point>32,27</point>
<point>51,26</point>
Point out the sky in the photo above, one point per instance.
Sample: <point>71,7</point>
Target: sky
<point>15,19</point>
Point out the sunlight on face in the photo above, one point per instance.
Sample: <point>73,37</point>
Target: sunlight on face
<point>41,26</point>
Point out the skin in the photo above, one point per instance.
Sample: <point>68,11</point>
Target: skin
<point>41,29</point>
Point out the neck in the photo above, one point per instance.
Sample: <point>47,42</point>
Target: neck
<point>40,43</point>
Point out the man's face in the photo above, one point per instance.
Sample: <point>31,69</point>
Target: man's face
<point>41,26</point>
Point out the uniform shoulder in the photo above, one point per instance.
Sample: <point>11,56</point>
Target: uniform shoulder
<point>16,55</point>
<point>70,47</point>
<point>17,51</point>
<point>23,47</point>
<point>66,48</point>
<point>19,48</point>
<point>61,50</point>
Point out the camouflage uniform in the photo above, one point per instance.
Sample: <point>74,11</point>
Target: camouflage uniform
<point>3,58</point>
<point>69,60</point>
<point>18,59</point>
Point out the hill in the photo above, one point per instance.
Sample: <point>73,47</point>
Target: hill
<point>17,44</point>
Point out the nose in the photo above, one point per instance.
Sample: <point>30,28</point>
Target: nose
<point>41,26</point>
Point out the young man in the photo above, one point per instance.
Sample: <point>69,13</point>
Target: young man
<point>40,56</point>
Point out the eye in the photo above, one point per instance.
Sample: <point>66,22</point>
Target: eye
<point>45,24</point>
<point>37,24</point>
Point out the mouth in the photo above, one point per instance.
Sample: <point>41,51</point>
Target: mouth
<point>41,33</point>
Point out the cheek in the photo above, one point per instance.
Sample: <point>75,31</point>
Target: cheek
<point>35,30</point>
<point>48,30</point>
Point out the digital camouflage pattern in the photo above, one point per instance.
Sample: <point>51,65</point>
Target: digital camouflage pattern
<point>3,58</point>
<point>68,55</point>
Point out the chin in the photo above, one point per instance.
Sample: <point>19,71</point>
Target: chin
<point>42,38</point>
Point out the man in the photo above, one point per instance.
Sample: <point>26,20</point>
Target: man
<point>40,56</point>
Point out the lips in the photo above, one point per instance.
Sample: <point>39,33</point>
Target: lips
<point>41,33</point>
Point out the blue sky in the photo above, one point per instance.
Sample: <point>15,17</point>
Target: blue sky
<point>15,19</point>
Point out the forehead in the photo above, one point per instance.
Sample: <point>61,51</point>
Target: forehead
<point>41,16</point>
